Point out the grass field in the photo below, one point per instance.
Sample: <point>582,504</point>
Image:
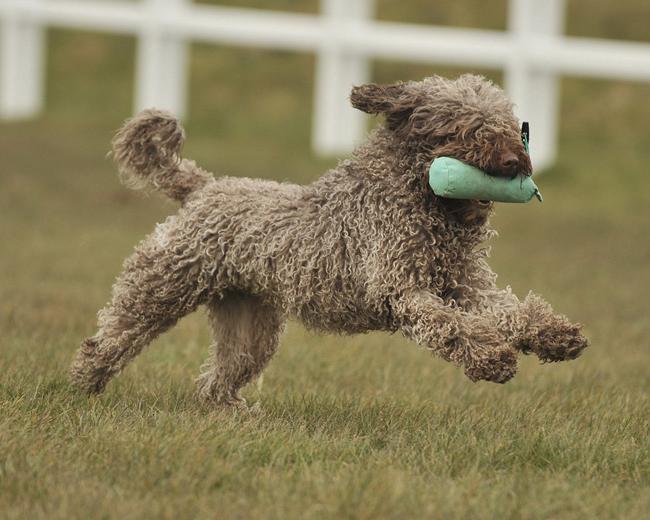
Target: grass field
<point>350,427</point>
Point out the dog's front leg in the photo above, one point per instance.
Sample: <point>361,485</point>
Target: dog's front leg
<point>551,336</point>
<point>529,326</point>
<point>466,339</point>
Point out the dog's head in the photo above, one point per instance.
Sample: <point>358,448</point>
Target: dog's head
<point>469,119</point>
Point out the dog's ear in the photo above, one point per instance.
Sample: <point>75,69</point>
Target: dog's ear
<point>395,102</point>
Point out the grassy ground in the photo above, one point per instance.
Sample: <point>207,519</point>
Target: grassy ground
<point>360,427</point>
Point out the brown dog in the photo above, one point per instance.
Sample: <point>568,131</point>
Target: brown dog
<point>368,246</point>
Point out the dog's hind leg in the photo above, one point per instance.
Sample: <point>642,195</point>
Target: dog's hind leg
<point>246,335</point>
<point>159,285</point>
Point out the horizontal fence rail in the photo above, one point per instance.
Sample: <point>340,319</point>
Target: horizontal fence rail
<point>532,52</point>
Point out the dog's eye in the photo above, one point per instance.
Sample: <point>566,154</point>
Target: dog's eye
<point>525,134</point>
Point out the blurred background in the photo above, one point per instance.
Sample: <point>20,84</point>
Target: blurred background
<point>66,223</point>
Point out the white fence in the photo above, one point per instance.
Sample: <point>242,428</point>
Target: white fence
<point>532,52</point>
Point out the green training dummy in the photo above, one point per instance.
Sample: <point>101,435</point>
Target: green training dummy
<point>453,179</point>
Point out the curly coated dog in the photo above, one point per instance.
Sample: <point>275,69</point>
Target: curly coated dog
<point>367,246</point>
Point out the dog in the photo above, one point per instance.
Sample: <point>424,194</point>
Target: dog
<point>367,246</point>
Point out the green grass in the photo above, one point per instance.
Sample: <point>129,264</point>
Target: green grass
<point>349,427</point>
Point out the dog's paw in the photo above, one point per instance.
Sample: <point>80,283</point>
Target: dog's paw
<point>560,341</point>
<point>212,393</point>
<point>550,336</point>
<point>230,404</point>
<point>498,365</point>
<point>84,374</point>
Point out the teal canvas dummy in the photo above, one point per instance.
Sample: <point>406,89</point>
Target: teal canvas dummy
<point>451,178</point>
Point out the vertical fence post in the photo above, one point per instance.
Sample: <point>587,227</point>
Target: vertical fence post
<point>22,56</point>
<point>161,60</point>
<point>535,92</point>
<point>337,127</point>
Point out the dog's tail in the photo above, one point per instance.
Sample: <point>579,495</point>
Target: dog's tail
<point>147,152</point>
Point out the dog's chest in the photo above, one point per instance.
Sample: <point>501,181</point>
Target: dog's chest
<point>452,256</point>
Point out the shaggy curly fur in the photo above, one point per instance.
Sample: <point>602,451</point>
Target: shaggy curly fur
<point>368,246</point>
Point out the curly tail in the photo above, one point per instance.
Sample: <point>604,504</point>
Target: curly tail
<point>147,152</point>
